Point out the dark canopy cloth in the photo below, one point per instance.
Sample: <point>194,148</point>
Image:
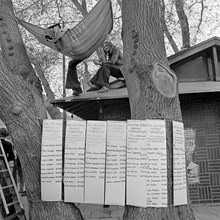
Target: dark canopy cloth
<point>82,40</point>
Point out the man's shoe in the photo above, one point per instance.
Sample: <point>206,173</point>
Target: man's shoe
<point>103,90</point>
<point>77,92</point>
<point>92,88</point>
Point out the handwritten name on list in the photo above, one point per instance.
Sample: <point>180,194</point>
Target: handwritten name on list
<point>74,161</point>
<point>115,163</point>
<point>51,160</point>
<point>179,165</point>
<point>95,162</point>
<point>146,163</point>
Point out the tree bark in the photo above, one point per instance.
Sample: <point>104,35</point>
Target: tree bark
<point>54,112</point>
<point>166,30</point>
<point>184,24</point>
<point>14,53</point>
<point>13,48</point>
<point>20,115</point>
<point>22,110</point>
<point>152,94</point>
<point>81,7</point>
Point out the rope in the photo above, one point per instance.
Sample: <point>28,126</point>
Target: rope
<point>10,15</point>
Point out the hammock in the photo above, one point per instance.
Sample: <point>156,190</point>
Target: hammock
<point>82,40</point>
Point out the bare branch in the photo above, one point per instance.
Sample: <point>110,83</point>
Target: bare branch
<point>42,7</point>
<point>53,111</point>
<point>166,30</point>
<point>58,10</point>
<point>81,7</point>
<point>203,7</point>
<point>120,3</point>
<point>31,5</point>
<point>194,3</point>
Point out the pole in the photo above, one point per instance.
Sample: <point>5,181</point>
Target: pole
<point>64,124</point>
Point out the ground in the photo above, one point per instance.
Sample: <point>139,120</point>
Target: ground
<point>98,212</point>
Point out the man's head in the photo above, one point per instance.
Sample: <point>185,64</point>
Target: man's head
<point>3,132</point>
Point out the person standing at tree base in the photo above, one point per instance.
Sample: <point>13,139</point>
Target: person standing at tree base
<point>8,149</point>
<point>7,146</point>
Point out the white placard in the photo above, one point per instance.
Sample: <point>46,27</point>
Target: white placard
<point>115,163</point>
<point>74,161</point>
<point>179,165</point>
<point>51,160</point>
<point>95,162</point>
<point>156,181</point>
<point>136,163</point>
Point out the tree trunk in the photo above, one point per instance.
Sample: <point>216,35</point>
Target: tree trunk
<point>152,89</point>
<point>13,48</point>
<point>19,113</point>
<point>22,110</point>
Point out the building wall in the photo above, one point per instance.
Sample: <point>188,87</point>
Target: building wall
<point>202,113</point>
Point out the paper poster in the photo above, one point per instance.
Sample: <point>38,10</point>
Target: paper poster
<point>115,163</point>
<point>74,161</point>
<point>193,173</point>
<point>95,162</point>
<point>136,163</point>
<point>156,178</point>
<point>179,165</point>
<point>51,160</point>
<point>190,143</point>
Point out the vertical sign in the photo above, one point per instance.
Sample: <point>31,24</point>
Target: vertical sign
<point>136,163</point>
<point>95,162</point>
<point>51,160</point>
<point>115,163</point>
<point>179,165</point>
<point>190,143</point>
<point>74,161</point>
<point>156,185</point>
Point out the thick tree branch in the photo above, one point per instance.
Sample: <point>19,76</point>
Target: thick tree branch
<point>53,111</point>
<point>179,4</point>
<point>203,7</point>
<point>166,30</point>
<point>13,48</point>
<point>40,72</point>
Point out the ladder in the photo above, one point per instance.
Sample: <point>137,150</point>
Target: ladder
<point>9,195</point>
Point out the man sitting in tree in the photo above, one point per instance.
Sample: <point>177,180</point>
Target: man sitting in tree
<point>110,65</point>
